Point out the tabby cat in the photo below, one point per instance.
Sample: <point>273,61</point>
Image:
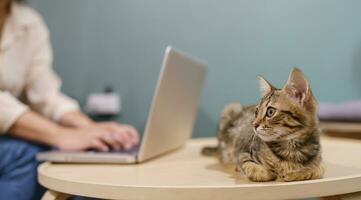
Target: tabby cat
<point>278,139</point>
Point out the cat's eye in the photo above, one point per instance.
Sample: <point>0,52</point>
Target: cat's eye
<point>270,111</point>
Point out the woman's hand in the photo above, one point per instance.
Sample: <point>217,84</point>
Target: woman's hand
<point>99,136</point>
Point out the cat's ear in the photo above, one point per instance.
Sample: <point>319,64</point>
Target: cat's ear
<point>264,86</point>
<point>297,86</point>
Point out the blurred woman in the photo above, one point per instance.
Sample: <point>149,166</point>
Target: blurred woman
<point>33,110</point>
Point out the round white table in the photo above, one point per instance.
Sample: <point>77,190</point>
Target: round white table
<point>186,175</point>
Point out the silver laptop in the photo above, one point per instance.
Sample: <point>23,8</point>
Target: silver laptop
<point>171,117</point>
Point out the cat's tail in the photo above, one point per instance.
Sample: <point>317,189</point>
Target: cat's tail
<point>210,151</point>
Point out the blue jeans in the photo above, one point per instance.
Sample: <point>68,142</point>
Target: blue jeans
<point>18,178</point>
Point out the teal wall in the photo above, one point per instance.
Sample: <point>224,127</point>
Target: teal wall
<point>121,42</point>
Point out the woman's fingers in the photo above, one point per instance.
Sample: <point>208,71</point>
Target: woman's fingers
<point>99,145</point>
<point>133,134</point>
<point>112,141</point>
<point>124,135</point>
<point>121,133</point>
<point>123,140</point>
<point>130,132</point>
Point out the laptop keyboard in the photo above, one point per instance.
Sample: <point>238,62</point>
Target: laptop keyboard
<point>133,150</point>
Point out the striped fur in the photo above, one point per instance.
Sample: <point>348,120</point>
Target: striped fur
<point>278,139</point>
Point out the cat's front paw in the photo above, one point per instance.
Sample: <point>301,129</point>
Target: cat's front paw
<point>288,177</point>
<point>295,176</point>
<point>300,175</point>
<point>256,172</point>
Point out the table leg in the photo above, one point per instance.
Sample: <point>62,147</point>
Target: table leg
<point>52,195</point>
<point>350,196</point>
